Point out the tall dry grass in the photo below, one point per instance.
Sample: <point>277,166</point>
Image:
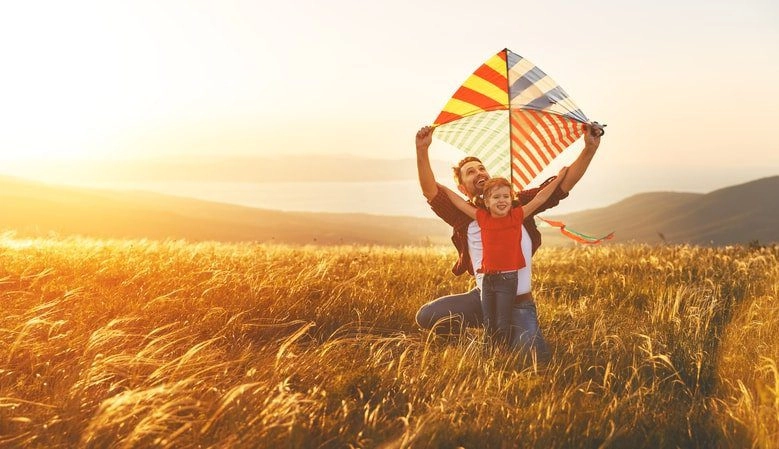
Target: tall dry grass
<point>150,344</point>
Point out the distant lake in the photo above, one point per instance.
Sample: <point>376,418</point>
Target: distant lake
<point>384,198</point>
<point>402,197</point>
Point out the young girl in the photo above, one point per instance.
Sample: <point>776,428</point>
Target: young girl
<point>501,233</point>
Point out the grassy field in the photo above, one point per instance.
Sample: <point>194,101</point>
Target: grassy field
<point>150,344</point>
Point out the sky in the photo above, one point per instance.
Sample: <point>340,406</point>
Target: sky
<point>688,88</point>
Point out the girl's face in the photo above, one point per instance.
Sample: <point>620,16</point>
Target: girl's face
<point>498,201</point>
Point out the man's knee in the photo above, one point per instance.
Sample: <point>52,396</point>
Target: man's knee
<point>430,318</point>
<point>424,317</point>
<point>450,313</point>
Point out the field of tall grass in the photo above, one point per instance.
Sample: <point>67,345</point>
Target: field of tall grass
<point>172,344</point>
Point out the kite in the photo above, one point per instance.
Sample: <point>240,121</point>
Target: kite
<point>514,118</point>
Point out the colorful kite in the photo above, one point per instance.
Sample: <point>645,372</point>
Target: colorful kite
<point>513,117</point>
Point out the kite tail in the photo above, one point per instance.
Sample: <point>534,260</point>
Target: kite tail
<point>577,236</point>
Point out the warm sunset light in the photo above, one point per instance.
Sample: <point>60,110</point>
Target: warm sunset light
<point>688,88</point>
<point>251,224</point>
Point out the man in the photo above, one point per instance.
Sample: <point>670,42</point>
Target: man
<point>455,312</point>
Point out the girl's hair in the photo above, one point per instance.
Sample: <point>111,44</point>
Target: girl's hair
<point>494,183</point>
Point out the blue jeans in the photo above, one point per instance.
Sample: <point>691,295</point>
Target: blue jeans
<point>453,313</point>
<point>526,336</point>
<point>497,301</point>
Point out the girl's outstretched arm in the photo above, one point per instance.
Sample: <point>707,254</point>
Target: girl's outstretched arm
<point>544,194</point>
<point>466,207</point>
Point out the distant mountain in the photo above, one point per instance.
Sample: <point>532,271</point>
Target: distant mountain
<point>36,209</point>
<point>736,214</point>
<point>198,168</point>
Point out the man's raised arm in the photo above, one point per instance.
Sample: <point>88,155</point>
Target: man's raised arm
<point>579,166</point>
<point>426,177</point>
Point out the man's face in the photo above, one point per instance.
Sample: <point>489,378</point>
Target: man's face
<point>473,176</point>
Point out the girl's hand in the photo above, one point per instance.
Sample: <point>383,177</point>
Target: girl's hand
<point>561,175</point>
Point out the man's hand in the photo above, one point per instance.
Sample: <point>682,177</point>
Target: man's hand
<point>579,166</point>
<point>426,177</point>
<point>590,142</point>
<point>424,138</point>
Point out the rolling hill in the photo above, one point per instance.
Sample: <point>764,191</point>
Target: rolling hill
<point>737,214</point>
<point>37,209</point>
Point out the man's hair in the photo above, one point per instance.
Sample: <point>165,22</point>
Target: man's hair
<point>457,175</point>
<point>494,183</point>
